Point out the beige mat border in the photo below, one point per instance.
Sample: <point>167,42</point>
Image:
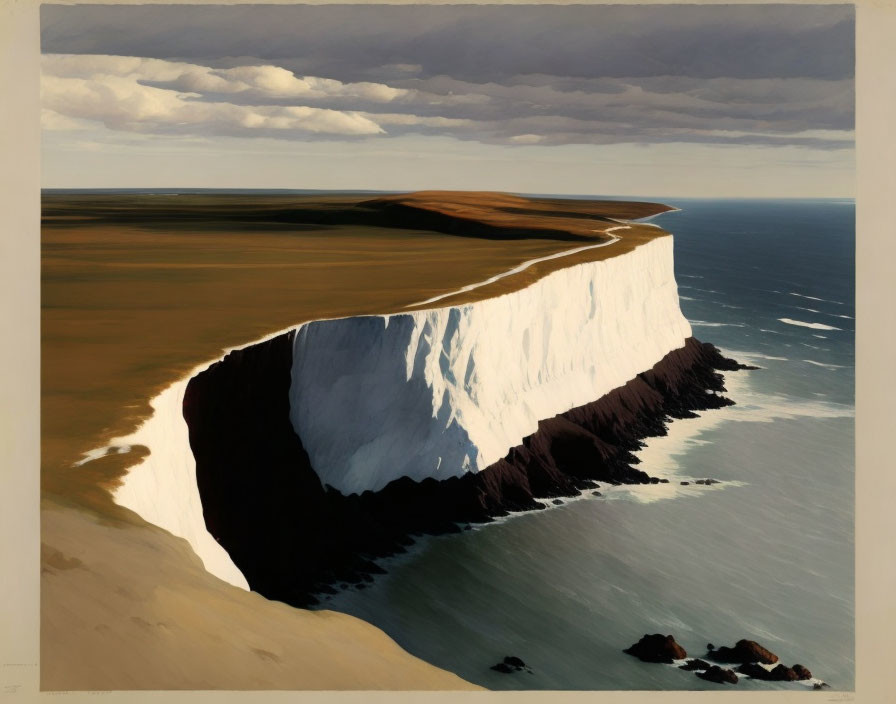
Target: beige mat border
<point>20,349</point>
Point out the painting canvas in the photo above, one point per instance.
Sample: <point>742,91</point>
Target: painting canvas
<point>448,347</point>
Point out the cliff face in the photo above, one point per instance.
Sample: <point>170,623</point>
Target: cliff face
<point>442,392</point>
<point>292,538</point>
<point>326,447</point>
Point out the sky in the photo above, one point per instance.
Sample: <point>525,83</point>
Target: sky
<point>748,101</point>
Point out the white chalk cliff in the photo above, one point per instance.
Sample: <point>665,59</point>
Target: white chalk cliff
<point>440,392</point>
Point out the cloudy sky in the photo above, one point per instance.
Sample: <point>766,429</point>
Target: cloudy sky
<point>627,100</point>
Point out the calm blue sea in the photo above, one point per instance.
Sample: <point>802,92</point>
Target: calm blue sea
<point>765,555</point>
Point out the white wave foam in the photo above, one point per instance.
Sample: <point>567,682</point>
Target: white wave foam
<point>821,312</point>
<point>747,357</point>
<point>822,364</point>
<point>702,290</point>
<point>820,337</point>
<point>663,455</point>
<point>705,324</point>
<point>814,326</point>
<point>813,298</point>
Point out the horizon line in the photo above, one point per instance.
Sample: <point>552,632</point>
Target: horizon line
<point>174,190</point>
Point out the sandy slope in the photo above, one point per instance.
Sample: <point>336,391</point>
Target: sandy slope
<point>128,607</point>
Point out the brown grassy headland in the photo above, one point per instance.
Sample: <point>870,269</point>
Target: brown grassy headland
<point>136,291</point>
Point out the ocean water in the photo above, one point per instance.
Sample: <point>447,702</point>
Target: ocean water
<point>767,554</point>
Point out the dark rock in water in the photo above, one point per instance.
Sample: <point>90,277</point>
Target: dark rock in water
<point>782,673</point>
<point>695,664</point>
<point>754,670</point>
<point>685,483</point>
<point>664,481</point>
<point>802,672</point>
<point>719,675</point>
<point>711,481</point>
<point>596,493</point>
<point>657,648</point>
<point>654,480</point>
<point>511,664</point>
<point>557,502</point>
<point>745,651</point>
<point>709,646</point>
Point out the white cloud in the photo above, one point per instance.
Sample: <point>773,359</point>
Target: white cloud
<point>259,81</point>
<point>145,95</point>
<point>275,82</point>
<point>111,90</point>
<point>136,94</point>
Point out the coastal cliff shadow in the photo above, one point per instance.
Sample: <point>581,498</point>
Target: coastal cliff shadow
<point>293,538</point>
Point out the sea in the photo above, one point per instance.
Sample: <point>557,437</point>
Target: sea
<point>766,554</point>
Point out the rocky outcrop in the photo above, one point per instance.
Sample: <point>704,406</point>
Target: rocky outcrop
<point>657,648</point>
<point>511,664</point>
<point>719,675</point>
<point>779,673</point>
<point>664,649</point>
<point>694,664</point>
<point>802,672</point>
<point>292,538</point>
<point>744,651</point>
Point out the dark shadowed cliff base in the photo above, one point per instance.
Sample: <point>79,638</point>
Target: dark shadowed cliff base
<point>293,539</point>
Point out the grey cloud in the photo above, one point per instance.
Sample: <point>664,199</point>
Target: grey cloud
<point>763,75</point>
<point>477,42</point>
